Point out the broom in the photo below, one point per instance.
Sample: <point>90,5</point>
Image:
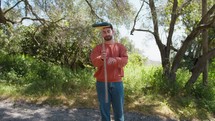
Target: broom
<point>102,25</point>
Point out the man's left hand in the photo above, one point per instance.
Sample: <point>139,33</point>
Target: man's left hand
<point>111,60</point>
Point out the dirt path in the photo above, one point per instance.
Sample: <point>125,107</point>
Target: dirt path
<point>19,111</point>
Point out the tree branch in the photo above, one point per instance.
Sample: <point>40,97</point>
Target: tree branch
<point>117,5</point>
<point>13,6</point>
<point>92,10</point>
<point>135,19</point>
<point>173,48</point>
<point>199,67</point>
<point>185,4</point>
<point>27,6</point>
<point>195,32</point>
<point>33,19</point>
<point>2,17</point>
<point>121,6</point>
<point>174,16</point>
<point>207,15</point>
<point>42,21</point>
<point>154,16</point>
<point>155,23</point>
<point>143,30</point>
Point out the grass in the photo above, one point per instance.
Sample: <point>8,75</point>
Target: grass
<point>183,108</point>
<point>45,83</point>
<point>8,90</point>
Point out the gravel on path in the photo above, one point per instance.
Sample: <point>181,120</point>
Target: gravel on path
<point>20,111</point>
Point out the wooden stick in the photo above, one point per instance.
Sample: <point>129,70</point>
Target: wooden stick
<point>105,74</point>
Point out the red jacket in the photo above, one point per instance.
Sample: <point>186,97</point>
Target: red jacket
<point>114,71</point>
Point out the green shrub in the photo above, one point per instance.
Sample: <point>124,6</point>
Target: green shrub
<point>205,95</point>
<point>39,77</point>
<point>136,59</point>
<point>133,79</point>
<point>45,77</point>
<point>211,74</point>
<point>204,92</point>
<point>13,68</point>
<point>157,81</point>
<point>141,79</point>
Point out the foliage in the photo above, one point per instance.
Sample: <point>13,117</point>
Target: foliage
<point>13,68</point>
<point>9,39</point>
<point>51,44</point>
<point>136,78</point>
<point>205,95</point>
<point>171,17</point>
<point>64,36</point>
<point>128,44</point>
<point>135,59</point>
<point>190,21</point>
<point>115,11</point>
<point>24,75</point>
<point>39,77</point>
<point>211,75</point>
<point>53,58</point>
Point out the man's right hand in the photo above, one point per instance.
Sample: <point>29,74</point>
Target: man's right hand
<point>103,54</point>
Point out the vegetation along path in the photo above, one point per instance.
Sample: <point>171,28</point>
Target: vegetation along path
<point>21,111</point>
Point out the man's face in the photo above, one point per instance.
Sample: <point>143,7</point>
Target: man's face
<point>107,34</point>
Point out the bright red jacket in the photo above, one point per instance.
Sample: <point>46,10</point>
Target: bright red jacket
<point>114,71</point>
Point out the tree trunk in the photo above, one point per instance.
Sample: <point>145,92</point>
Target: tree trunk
<point>205,43</point>
<point>199,67</point>
<point>174,15</point>
<point>195,32</point>
<point>164,50</point>
<point>2,17</point>
<point>165,65</point>
<point>170,69</point>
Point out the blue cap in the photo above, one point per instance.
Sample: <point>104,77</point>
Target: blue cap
<point>102,25</point>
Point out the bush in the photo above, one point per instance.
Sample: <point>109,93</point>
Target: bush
<point>134,81</point>
<point>39,77</point>
<point>13,68</point>
<point>211,74</point>
<point>136,59</point>
<point>205,95</point>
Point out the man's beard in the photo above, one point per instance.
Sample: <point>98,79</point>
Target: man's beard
<point>108,38</point>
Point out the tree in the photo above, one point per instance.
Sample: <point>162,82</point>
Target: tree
<point>61,31</point>
<point>205,42</point>
<point>170,66</point>
<point>4,13</point>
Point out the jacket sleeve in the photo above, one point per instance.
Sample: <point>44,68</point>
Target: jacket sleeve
<point>122,60</point>
<point>95,57</point>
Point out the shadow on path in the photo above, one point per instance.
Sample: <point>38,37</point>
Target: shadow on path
<point>19,111</point>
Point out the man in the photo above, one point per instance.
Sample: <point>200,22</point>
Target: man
<point>116,58</point>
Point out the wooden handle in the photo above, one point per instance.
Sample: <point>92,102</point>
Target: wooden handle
<point>105,74</point>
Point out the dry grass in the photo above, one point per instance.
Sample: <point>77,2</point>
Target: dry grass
<point>88,99</point>
<point>145,104</point>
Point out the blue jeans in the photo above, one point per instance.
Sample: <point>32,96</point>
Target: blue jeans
<point>115,97</point>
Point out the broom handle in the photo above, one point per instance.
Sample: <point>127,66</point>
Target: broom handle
<point>105,74</point>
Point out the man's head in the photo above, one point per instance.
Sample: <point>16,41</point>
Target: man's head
<point>107,32</point>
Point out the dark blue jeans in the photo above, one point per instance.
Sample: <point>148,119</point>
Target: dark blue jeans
<point>115,97</point>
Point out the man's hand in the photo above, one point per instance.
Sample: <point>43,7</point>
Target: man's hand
<point>103,55</point>
<point>111,61</point>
